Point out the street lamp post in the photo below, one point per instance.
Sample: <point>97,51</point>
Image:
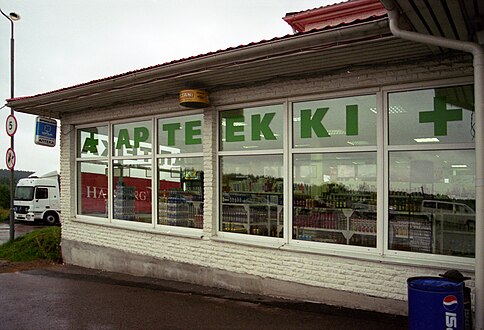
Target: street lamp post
<point>11,17</point>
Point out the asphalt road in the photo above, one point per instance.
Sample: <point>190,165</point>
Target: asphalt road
<point>69,297</point>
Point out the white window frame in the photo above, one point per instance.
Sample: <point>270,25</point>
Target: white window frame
<point>249,239</point>
<point>131,225</point>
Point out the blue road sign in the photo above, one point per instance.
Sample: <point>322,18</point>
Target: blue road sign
<point>45,131</point>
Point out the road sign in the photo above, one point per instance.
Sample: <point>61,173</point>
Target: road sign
<point>10,158</point>
<point>45,131</point>
<point>11,125</point>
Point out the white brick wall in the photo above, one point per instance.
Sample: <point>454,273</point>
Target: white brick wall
<point>378,279</point>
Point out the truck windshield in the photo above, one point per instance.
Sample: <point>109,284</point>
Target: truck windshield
<point>24,193</point>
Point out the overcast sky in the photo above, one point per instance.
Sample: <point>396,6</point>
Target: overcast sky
<point>60,43</point>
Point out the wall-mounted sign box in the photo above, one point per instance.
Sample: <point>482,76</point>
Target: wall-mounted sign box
<point>45,131</point>
<point>194,98</point>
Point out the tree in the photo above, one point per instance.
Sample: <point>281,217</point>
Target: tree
<point>4,196</point>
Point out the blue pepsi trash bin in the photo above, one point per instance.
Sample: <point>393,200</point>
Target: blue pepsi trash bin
<point>435,303</point>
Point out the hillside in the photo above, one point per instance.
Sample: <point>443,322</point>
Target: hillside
<point>5,175</point>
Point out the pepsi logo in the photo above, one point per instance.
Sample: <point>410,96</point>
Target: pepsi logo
<point>450,303</point>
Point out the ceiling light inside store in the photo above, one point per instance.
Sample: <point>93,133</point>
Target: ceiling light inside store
<point>358,143</point>
<point>459,166</point>
<point>332,132</point>
<point>235,124</point>
<point>396,109</point>
<point>426,140</point>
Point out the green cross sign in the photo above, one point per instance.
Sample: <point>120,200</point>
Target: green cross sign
<point>440,116</point>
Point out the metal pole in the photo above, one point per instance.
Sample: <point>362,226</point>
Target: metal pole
<point>12,170</point>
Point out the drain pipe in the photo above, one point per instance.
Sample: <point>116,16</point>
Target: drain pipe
<point>478,54</point>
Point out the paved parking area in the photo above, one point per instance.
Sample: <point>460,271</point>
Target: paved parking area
<point>69,297</point>
<point>21,228</point>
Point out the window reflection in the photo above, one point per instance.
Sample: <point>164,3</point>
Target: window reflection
<point>180,197</point>
<point>432,202</point>
<point>132,190</point>
<point>252,195</point>
<point>93,188</point>
<point>334,198</point>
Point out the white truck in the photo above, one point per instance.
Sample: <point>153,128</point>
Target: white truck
<point>37,198</point>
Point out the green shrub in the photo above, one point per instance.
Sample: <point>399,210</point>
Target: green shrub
<point>38,244</point>
<point>4,214</point>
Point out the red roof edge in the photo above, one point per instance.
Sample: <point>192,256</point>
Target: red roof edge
<point>334,14</point>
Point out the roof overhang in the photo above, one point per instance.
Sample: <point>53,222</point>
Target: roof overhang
<point>314,52</point>
<point>294,55</point>
<point>450,19</point>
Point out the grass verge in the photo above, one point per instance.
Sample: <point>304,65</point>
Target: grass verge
<point>42,244</point>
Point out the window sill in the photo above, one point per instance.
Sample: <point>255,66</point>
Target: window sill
<point>194,233</point>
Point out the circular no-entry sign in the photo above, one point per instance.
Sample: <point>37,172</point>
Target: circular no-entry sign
<point>10,159</point>
<point>11,125</point>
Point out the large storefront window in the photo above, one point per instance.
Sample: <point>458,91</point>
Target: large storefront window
<point>133,139</point>
<point>180,178</point>
<point>431,116</point>
<point>251,185</point>
<point>132,171</point>
<point>432,202</point>
<point>180,196</point>
<point>431,192</point>
<point>341,122</point>
<point>116,168</point>
<point>92,171</point>
<point>132,190</point>
<point>180,134</point>
<point>92,182</point>
<point>252,195</point>
<point>259,128</point>
<point>343,163</point>
<point>335,197</point>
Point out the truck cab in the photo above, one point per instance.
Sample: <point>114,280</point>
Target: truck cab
<point>37,199</point>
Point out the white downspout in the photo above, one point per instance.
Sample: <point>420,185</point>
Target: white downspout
<point>478,53</point>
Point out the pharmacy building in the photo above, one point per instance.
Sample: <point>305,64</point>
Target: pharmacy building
<point>327,165</point>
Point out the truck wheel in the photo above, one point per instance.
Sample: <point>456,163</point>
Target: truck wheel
<point>51,218</point>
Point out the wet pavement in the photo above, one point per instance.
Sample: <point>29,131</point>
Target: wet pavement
<point>70,297</point>
<point>21,228</point>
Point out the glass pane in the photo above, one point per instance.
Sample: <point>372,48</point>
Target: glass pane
<point>133,139</point>
<point>180,197</point>
<point>432,202</point>
<point>258,128</point>
<point>92,188</point>
<point>334,198</point>
<point>92,142</point>
<point>41,193</point>
<point>252,195</point>
<point>132,190</point>
<point>180,134</point>
<point>342,122</point>
<point>440,115</point>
